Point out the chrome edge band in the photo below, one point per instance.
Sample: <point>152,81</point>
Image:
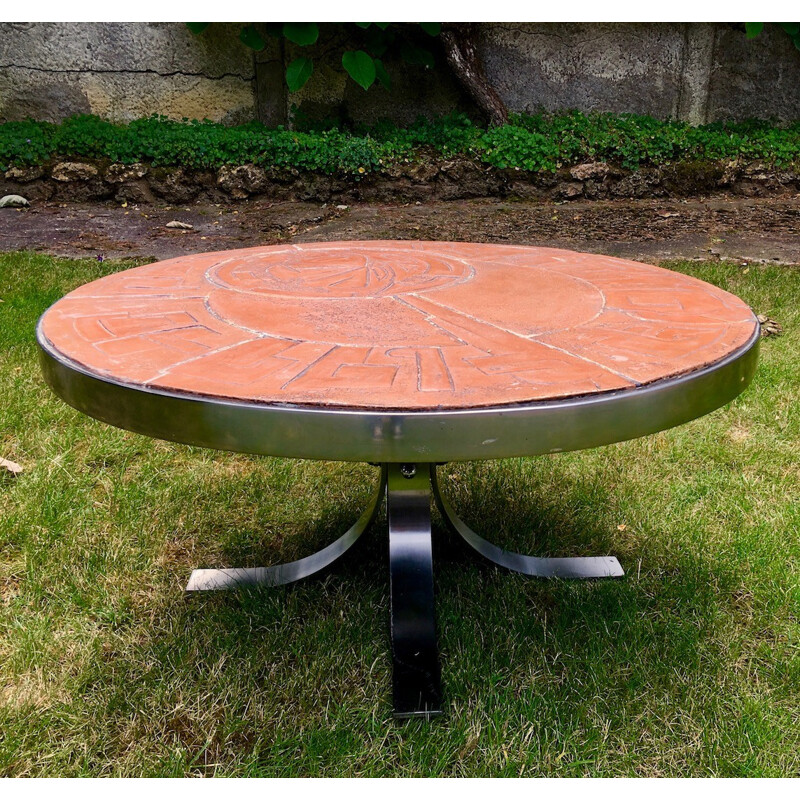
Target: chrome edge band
<point>396,436</point>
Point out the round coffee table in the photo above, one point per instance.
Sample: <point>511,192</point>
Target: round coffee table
<point>405,355</point>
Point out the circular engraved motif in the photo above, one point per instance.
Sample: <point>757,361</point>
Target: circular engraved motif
<point>369,270</point>
<point>547,302</point>
<point>396,325</point>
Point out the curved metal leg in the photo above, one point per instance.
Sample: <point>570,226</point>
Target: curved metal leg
<point>415,673</point>
<point>587,567</point>
<point>214,579</point>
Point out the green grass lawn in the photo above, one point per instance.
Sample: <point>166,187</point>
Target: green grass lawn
<point>687,666</point>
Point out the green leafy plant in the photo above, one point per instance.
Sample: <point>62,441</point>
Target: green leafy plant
<point>365,45</point>
<point>541,142</point>
<point>360,66</point>
<point>362,63</point>
<point>298,72</point>
<point>301,33</point>
<point>791,29</point>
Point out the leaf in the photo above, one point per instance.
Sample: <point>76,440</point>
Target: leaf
<point>383,25</point>
<point>769,327</point>
<point>752,29</point>
<point>363,25</point>
<point>431,28</point>
<point>417,56</point>
<point>376,42</point>
<point>197,27</point>
<point>13,468</point>
<point>252,38</point>
<point>301,33</point>
<point>298,72</point>
<point>382,75</point>
<point>792,28</point>
<point>360,66</point>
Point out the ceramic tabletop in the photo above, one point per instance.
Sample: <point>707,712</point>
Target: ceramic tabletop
<point>396,325</point>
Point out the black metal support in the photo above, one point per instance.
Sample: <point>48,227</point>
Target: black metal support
<point>416,677</point>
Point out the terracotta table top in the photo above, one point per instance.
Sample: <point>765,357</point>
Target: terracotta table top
<point>396,325</point>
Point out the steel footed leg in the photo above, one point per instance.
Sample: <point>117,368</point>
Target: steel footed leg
<point>215,579</point>
<point>415,671</point>
<point>587,567</point>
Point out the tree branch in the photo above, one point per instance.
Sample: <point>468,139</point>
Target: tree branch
<point>459,41</point>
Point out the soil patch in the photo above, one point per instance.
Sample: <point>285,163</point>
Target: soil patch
<point>751,229</point>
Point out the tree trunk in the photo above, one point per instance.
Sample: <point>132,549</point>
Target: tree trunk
<point>458,39</point>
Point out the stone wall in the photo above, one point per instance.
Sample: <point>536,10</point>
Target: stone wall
<point>122,71</point>
<point>450,179</point>
<point>699,72</point>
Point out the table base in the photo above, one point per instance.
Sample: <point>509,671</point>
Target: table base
<point>408,489</point>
